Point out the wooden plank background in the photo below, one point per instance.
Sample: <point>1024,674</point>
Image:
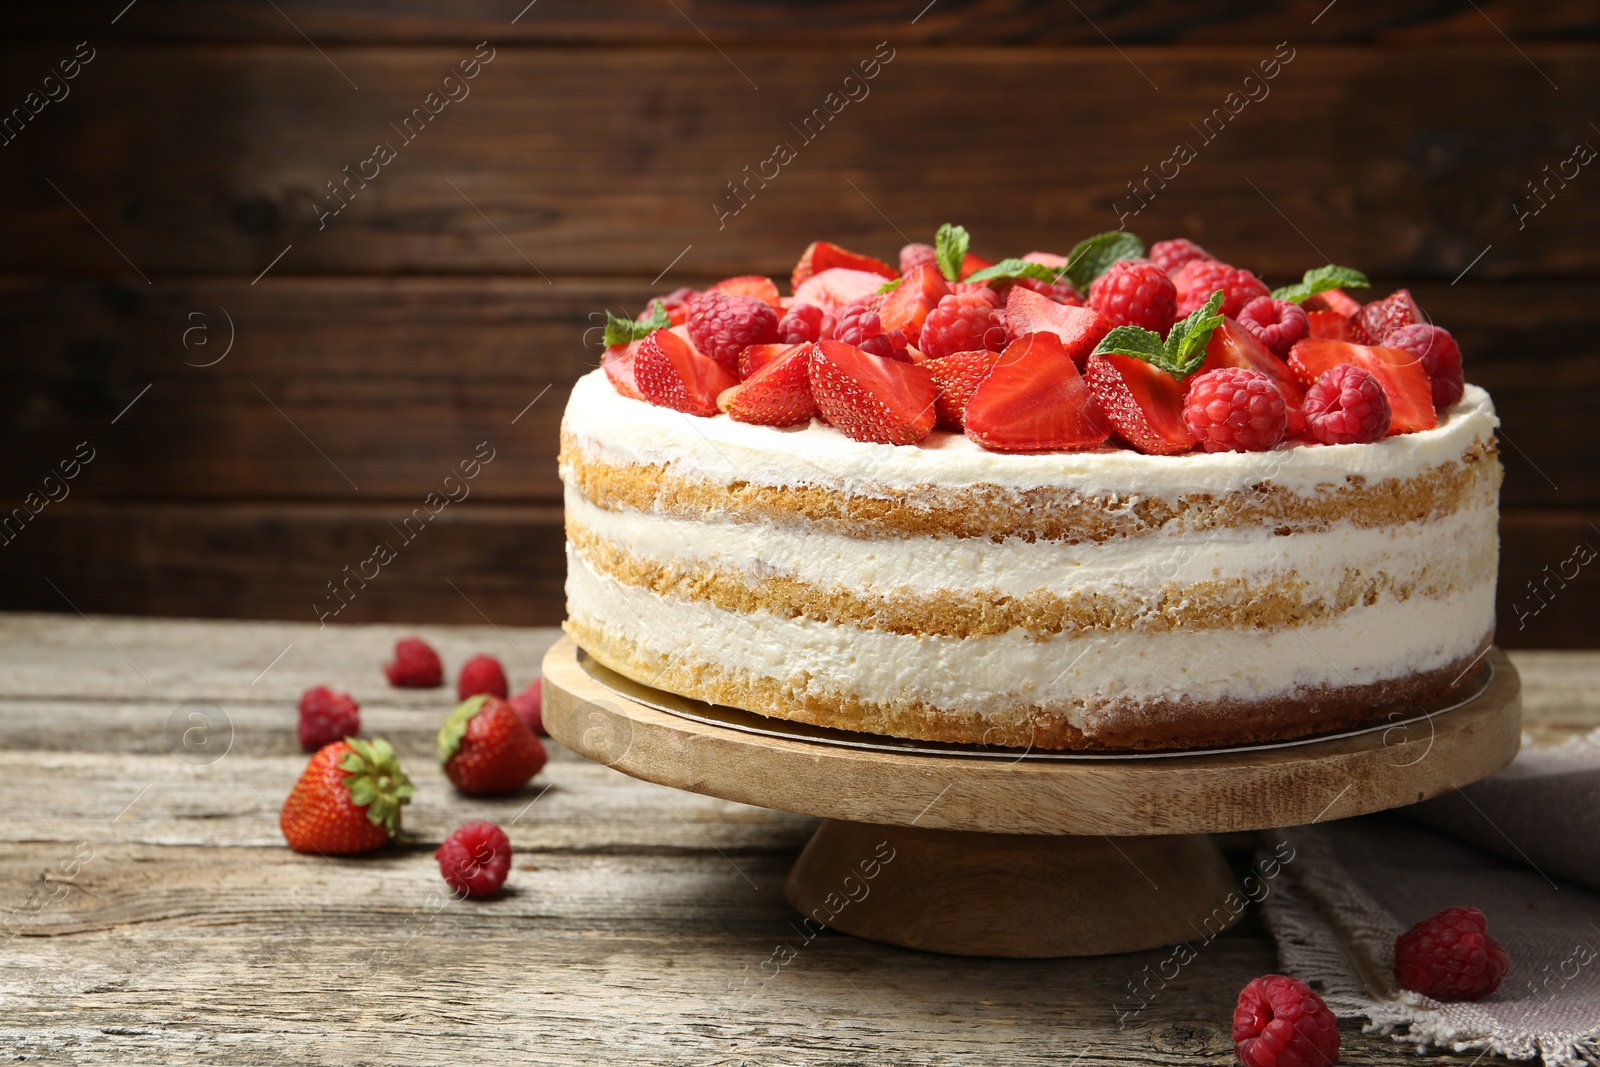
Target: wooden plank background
<point>186,170</point>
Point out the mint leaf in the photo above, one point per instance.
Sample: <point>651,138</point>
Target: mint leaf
<point>1135,341</point>
<point>1186,343</point>
<point>950,246</point>
<point>1007,269</point>
<point>1320,280</point>
<point>621,331</point>
<point>1093,256</point>
<point>890,286</point>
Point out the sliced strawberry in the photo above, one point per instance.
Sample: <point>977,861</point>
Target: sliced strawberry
<point>756,285</point>
<point>956,377</point>
<point>1143,403</point>
<point>974,263</point>
<point>1368,325</point>
<point>1404,381</point>
<point>1034,400</point>
<point>671,374</point>
<point>1079,328</point>
<point>909,304</point>
<point>837,287</point>
<point>1046,259</point>
<point>1335,300</point>
<point>618,362</point>
<point>824,255</point>
<point>753,357</point>
<point>870,398</point>
<point>1329,325</point>
<point>777,394</point>
<point>1234,346</point>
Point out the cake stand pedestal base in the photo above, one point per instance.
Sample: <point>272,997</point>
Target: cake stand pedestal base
<point>1013,895</point>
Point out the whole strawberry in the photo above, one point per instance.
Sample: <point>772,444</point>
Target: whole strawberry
<point>475,859</point>
<point>347,800</point>
<point>1450,956</point>
<point>481,674</point>
<point>485,747</point>
<point>326,717</point>
<point>1280,1022</point>
<point>416,665</point>
<point>721,325</point>
<point>1132,293</point>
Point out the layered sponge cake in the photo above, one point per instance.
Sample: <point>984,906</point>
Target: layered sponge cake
<point>1085,595</point>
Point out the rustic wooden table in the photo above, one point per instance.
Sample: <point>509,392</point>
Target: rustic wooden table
<point>153,914</point>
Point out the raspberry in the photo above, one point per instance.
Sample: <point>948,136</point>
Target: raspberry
<point>529,706</point>
<point>475,859</point>
<point>721,325</point>
<point>1440,356</point>
<point>481,674</point>
<point>963,322</point>
<point>1170,255</point>
<point>1232,409</point>
<point>1450,957</point>
<point>1131,293</point>
<point>982,289</point>
<point>860,326</point>
<point>1346,406</point>
<point>1280,1022</point>
<point>1278,324</point>
<point>326,717</point>
<point>415,666</point>
<point>915,255</point>
<point>1199,278</point>
<point>804,322</point>
<point>1061,292</point>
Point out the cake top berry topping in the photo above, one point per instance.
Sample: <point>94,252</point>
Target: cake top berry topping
<point>1138,343</point>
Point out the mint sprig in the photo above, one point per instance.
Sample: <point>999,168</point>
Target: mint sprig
<point>1184,350</point>
<point>1093,256</point>
<point>1320,280</point>
<point>890,285</point>
<point>950,246</point>
<point>1010,269</point>
<point>620,331</point>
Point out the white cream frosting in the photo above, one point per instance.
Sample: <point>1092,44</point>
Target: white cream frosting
<point>1077,674</point>
<point>615,429</point>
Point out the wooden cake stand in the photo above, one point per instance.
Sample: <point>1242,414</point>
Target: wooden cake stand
<point>1006,853</point>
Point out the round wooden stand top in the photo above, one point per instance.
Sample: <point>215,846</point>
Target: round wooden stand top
<point>1199,793</point>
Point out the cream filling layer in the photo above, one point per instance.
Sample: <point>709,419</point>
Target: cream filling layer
<point>1465,541</point>
<point>1072,674</point>
<point>618,430</point>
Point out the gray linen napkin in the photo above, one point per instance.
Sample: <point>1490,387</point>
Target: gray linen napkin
<point>1353,886</point>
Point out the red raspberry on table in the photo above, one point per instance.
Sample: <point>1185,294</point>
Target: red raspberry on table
<point>326,717</point>
<point>804,322</point>
<point>1132,293</point>
<point>529,706</point>
<point>1280,1022</point>
<point>1277,324</point>
<point>1440,356</point>
<point>915,255</point>
<point>1346,405</point>
<point>1199,278</point>
<point>722,325</point>
<point>475,859</point>
<point>1170,255</point>
<point>481,674</point>
<point>1232,409</point>
<point>860,325</point>
<point>963,322</point>
<point>416,665</point>
<point>1450,957</point>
